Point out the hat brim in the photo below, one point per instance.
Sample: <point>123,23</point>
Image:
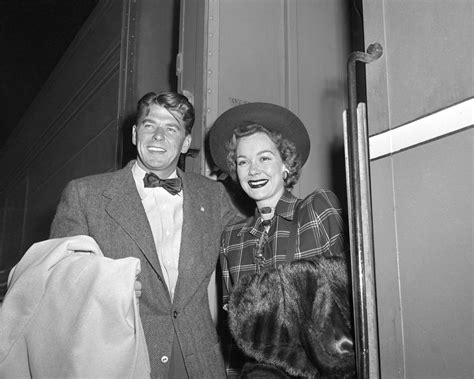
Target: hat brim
<point>273,117</point>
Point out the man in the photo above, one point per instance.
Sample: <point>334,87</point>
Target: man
<point>175,234</point>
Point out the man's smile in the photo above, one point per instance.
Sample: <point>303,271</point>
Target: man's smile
<point>156,149</point>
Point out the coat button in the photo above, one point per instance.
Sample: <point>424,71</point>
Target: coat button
<point>175,314</point>
<point>164,359</point>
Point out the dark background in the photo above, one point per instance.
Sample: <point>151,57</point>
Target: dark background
<point>34,34</point>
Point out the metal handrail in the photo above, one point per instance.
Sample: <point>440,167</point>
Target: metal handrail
<point>360,222</point>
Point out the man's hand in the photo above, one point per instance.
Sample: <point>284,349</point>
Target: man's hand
<point>138,289</point>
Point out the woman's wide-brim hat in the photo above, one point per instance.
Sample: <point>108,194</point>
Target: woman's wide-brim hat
<point>273,117</point>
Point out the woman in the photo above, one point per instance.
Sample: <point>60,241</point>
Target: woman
<point>264,146</point>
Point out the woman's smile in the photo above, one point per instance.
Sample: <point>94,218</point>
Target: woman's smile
<point>257,183</point>
<point>260,169</point>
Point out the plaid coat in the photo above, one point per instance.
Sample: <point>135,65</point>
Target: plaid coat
<point>108,208</point>
<point>319,233</point>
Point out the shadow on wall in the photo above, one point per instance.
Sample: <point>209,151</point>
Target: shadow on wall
<point>3,283</point>
<point>338,172</point>
<point>129,150</point>
<point>240,199</point>
<point>333,108</point>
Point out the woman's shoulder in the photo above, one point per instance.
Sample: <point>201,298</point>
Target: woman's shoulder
<point>236,232</point>
<point>234,235</point>
<point>238,226</point>
<point>320,200</point>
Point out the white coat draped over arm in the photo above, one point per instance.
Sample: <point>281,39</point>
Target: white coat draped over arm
<point>71,312</point>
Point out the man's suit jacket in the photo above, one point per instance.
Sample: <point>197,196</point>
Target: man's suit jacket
<point>108,208</point>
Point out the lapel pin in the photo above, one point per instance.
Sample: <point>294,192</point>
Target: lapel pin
<point>202,208</point>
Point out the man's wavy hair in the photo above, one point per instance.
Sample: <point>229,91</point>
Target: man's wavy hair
<point>177,104</point>
<point>287,149</point>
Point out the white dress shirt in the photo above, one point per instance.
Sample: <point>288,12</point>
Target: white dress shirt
<point>165,215</point>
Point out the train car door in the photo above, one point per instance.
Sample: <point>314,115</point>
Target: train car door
<point>420,118</point>
<point>290,53</point>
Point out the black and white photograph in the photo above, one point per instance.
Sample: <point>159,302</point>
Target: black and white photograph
<point>236,189</point>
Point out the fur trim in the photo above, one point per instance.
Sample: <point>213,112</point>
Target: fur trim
<point>296,317</point>
<point>262,370</point>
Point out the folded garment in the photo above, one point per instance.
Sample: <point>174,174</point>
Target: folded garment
<point>71,312</point>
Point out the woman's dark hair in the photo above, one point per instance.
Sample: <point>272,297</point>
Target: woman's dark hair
<point>172,101</point>
<point>286,148</point>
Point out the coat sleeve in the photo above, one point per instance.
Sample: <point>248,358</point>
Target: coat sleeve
<point>229,212</point>
<point>69,219</point>
<point>226,279</point>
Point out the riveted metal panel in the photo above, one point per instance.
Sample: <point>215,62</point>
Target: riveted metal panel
<point>291,53</point>
<point>419,98</point>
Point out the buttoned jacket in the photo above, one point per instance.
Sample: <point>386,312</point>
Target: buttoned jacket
<point>108,208</point>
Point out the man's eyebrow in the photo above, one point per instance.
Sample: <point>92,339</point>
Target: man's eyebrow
<point>169,122</point>
<point>177,116</point>
<point>146,119</point>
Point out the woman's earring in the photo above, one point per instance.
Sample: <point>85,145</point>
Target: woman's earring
<point>285,175</point>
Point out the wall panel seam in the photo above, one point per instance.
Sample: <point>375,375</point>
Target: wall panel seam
<point>57,71</point>
<point>46,179</point>
<point>51,133</point>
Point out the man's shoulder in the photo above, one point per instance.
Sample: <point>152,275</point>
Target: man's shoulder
<point>100,180</point>
<point>201,183</point>
<point>95,178</point>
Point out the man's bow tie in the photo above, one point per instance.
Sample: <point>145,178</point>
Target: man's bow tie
<point>173,186</point>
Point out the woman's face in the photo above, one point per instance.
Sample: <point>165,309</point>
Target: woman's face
<point>260,169</point>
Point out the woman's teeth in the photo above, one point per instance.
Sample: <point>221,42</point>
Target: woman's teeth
<point>257,183</point>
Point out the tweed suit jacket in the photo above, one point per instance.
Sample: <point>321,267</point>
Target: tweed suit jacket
<point>108,208</point>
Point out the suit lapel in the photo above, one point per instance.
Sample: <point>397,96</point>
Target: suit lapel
<point>126,208</point>
<point>191,267</point>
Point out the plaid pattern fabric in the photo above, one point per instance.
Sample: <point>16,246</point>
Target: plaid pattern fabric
<point>320,231</point>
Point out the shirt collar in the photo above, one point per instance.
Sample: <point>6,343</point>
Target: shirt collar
<point>285,207</point>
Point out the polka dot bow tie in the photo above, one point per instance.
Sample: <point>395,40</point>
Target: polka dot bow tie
<point>173,186</point>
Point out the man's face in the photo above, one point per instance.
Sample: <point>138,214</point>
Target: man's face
<point>160,139</point>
